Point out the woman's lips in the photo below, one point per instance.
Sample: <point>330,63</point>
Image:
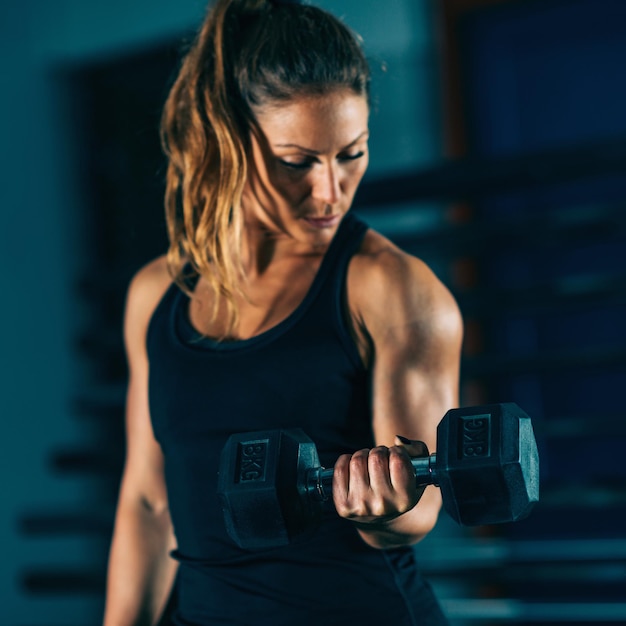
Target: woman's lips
<point>322,222</point>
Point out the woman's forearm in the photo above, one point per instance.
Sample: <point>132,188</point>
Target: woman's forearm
<point>141,572</point>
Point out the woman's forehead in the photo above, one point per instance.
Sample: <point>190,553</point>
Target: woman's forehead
<point>338,118</point>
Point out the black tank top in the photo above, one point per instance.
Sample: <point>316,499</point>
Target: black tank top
<point>304,372</point>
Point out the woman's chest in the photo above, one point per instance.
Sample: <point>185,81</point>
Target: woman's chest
<point>264,302</point>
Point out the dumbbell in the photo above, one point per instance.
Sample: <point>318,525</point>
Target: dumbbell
<point>272,487</point>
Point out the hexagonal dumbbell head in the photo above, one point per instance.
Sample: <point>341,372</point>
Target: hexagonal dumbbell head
<point>262,479</point>
<point>487,464</point>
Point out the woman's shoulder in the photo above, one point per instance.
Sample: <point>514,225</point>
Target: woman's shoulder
<point>379,261</point>
<point>388,281</point>
<point>145,291</point>
<point>151,281</point>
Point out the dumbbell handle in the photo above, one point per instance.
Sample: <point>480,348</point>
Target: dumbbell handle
<point>319,480</point>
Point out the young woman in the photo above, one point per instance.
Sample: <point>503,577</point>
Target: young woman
<point>276,307</point>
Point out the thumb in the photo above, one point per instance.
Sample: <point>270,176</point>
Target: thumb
<point>414,447</point>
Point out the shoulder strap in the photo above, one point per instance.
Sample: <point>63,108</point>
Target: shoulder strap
<point>330,301</point>
<point>343,247</point>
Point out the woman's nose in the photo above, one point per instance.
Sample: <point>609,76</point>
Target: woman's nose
<point>326,186</point>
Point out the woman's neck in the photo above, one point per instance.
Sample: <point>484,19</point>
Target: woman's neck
<point>264,244</point>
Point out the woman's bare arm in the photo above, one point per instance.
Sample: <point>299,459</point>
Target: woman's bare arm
<point>141,572</point>
<point>415,331</point>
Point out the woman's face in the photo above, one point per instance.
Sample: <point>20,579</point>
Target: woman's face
<point>308,158</point>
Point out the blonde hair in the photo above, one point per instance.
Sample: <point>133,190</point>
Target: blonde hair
<point>246,54</point>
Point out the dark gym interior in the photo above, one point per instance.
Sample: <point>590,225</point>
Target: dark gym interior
<point>498,156</point>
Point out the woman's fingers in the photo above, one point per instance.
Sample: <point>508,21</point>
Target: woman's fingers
<point>376,484</point>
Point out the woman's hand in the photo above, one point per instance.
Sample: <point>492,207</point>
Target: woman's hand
<point>378,485</point>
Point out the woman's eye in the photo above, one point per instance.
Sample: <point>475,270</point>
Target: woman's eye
<point>351,157</point>
<point>308,163</point>
<point>297,165</point>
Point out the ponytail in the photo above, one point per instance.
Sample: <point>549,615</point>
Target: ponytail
<point>206,166</point>
<point>246,54</point>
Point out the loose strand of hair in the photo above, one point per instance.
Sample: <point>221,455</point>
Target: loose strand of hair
<point>206,172</point>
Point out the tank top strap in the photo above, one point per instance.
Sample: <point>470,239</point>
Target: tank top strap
<point>330,306</point>
<point>343,247</point>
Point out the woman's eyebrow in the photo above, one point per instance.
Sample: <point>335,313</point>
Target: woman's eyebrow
<point>298,147</point>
